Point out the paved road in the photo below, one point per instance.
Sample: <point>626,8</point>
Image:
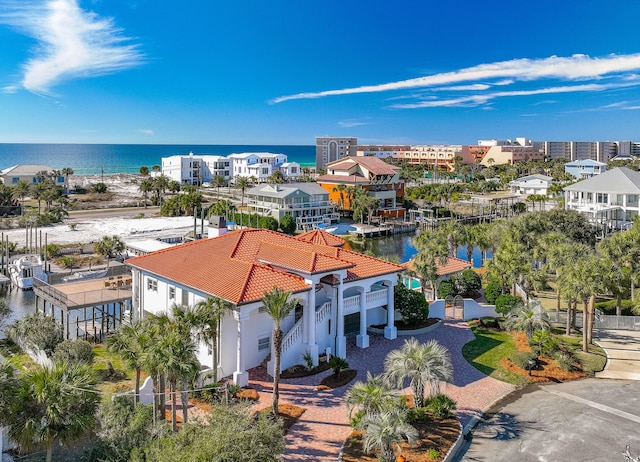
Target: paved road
<point>586,420</point>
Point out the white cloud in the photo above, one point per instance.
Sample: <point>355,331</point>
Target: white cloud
<point>578,67</point>
<point>145,131</point>
<point>72,43</point>
<point>352,123</point>
<point>474,100</point>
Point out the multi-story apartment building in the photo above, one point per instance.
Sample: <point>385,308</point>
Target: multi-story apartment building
<point>602,151</point>
<point>197,169</point>
<point>380,179</point>
<point>498,155</point>
<point>383,151</point>
<point>332,148</point>
<point>441,157</point>
<point>308,203</point>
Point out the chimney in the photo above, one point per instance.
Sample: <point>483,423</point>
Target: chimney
<point>217,226</point>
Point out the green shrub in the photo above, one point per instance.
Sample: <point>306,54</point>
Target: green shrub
<point>36,330</point>
<point>410,304</point>
<point>491,291</point>
<point>468,283</point>
<point>506,302</point>
<point>609,307</point>
<point>447,288</point>
<point>288,224</point>
<point>99,188</point>
<point>489,322</point>
<point>545,342</point>
<point>74,352</point>
<point>565,360</point>
<point>433,454</point>
<point>338,364</point>
<point>440,405</point>
<point>520,358</point>
<point>268,223</point>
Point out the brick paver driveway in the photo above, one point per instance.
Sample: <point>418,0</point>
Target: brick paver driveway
<point>319,433</point>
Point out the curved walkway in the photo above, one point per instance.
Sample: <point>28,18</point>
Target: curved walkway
<point>623,353</point>
<point>318,435</point>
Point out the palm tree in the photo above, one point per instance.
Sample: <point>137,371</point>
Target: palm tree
<point>372,396</point>
<point>278,304</point>
<point>528,318</point>
<point>386,429</point>
<point>242,183</point>
<point>341,189</point>
<point>432,251</point>
<point>131,343</point>
<point>218,182</point>
<point>421,364</point>
<point>67,172</point>
<point>21,190</point>
<point>52,404</point>
<point>178,363</point>
<point>145,187</point>
<point>144,171</point>
<point>109,247</point>
<point>206,321</point>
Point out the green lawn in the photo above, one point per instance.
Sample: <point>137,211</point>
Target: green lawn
<point>487,350</point>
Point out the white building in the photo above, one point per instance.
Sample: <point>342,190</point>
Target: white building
<point>339,292</point>
<point>531,184</point>
<point>308,203</point>
<point>198,169</point>
<point>609,199</point>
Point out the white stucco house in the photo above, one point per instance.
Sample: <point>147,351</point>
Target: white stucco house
<point>340,293</point>
<point>609,199</point>
<point>531,184</point>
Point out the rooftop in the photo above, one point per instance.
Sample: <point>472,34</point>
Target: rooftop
<point>241,266</point>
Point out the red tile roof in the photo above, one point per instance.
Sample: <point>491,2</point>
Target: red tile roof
<point>453,265</point>
<point>241,266</point>
<point>371,163</point>
<point>320,237</point>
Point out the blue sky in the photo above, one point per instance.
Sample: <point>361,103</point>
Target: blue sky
<point>284,72</point>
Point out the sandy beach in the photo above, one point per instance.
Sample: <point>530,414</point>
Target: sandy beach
<point>125,188</point>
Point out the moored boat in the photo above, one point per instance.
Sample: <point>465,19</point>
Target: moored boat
<point>23,268</point>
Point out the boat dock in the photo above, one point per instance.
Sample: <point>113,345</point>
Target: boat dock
<point>382,229</point>
<point>107,300</point>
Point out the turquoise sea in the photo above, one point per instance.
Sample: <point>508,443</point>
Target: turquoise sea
<point>91,159</point>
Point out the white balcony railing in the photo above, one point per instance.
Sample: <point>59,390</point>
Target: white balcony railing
<point>351,304</point>
<point>377,297</point>
<point>293,336</point>
<point>323,312</point>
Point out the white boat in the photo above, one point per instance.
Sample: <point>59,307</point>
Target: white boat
<point>24,268</point>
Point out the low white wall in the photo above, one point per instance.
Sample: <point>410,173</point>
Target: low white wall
<point>472,309</point>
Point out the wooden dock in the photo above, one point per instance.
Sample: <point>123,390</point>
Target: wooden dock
<point>382,229</point>
<point>107,300</point>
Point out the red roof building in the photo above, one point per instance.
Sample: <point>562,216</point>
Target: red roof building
<point>338,292</point>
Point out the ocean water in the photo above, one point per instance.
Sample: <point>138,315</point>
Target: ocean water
<point>91,159</point>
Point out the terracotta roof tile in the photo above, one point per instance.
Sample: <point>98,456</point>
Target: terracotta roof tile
<point>230,266</point>
<point>320,237</point>
<point>453,265</point>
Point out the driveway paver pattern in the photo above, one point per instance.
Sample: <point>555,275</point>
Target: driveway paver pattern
<point>320,432</point>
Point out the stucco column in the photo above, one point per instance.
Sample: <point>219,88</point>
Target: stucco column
<point>362,340</point>
<point>310,323</point>
<point>341,340</point>
<point>240,376</point>
<point>390,331</point>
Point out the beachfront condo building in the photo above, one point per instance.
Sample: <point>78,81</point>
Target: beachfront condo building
<point>338,293</point>
<point>308,203</point>
<point>332,148</point>
<point>198,169</point>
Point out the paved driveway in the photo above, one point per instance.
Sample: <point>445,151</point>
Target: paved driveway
<point>623,353</point>
<point>586,420</point>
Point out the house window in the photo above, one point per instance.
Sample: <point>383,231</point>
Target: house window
<point>603,198</point>
<point>172,293</point>
<point>185,297</point>
<point>265,171</point>
<point>264,343</point>
<point>632,199</point>
<point>152,284</point>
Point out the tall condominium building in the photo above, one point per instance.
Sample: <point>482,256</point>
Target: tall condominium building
<point>332,148</point>
<point>601,151</point>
